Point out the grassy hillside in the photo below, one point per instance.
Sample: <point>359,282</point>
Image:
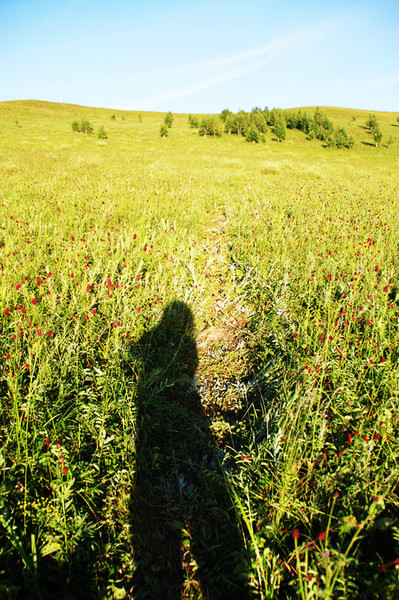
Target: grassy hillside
<point>199,359</point>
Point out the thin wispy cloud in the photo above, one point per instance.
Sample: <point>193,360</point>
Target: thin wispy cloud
<point>266,53</point>
<point>207,83</point>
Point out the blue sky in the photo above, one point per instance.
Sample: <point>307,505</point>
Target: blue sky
<point>200,57</point>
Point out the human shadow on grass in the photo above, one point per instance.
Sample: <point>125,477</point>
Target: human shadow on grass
<point>183,522</point>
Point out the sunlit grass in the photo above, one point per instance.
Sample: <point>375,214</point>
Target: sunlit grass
<point>289,251</point>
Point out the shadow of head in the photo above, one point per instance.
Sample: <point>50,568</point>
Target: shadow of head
<point>170,346</point>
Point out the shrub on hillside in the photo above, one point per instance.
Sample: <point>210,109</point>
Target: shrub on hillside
<point>371,122</point>
<point>377,136</point>
<point>168,119</point>
<point>258,119</point>
<point>193,122</point>
<point>342,139</point>
<point>252,134</point>
<point>374,129</point>
<point>279,131</point>
<point>85,127</point>
<point>224,114</point>
<point>209,126</point>
<point>102,134</point>
<point>164,130</point>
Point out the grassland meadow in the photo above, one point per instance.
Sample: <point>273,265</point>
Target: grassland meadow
<point>198,359</point>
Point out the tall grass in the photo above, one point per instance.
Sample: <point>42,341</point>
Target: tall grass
<point>287,255</point>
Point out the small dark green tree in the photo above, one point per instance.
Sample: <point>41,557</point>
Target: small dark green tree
<point>342,139</point>
<point>242,122</point>
<point>113,118</point>
<point>102,134</point>
<point>209,126</point>
<point>311,135</point>
<point>230,126</point>
<point>318,116</point>
<point>377,135</point>
<point>259,121</point>
<point>85,127</point>
<point>75,126</point>
<point>252,134</point>
<point>292,120</point>
<point>193,121</point>
<point>224,114</point>
<point>279,131</point>
<point>164,130</point>
<point>272,117</point>
<point>372,122</point>
<point>168,119</point>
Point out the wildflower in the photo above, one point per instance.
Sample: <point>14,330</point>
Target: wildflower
<point>295,534</point>
<point>38,281</point>
<point>6,312</point>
